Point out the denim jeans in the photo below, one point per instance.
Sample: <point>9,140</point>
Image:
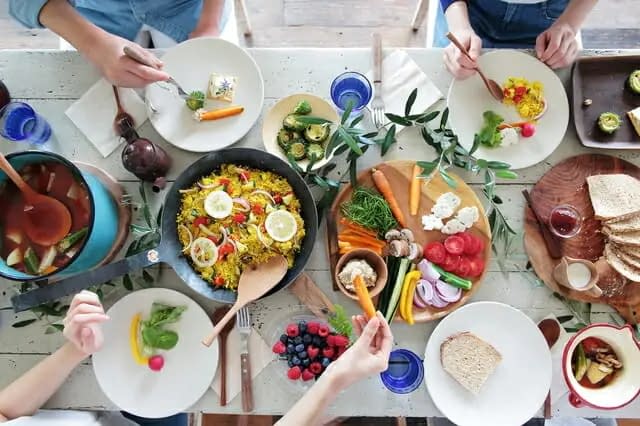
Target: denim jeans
<point>181,419</point>
<point>504,25</point>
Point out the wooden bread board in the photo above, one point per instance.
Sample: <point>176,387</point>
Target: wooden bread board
<point>399,173</point>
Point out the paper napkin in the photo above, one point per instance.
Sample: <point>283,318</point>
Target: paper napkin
<point>94,112</point>
<point>400,75</point>
<point>559,388</point>
<point>260,356</point>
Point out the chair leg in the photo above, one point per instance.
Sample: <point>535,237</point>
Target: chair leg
<point>401,421</point>
<point>241,7</point>
<point>419,15</point>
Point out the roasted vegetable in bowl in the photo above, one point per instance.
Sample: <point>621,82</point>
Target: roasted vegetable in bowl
<point>299,140</point>
<point>291,122</point>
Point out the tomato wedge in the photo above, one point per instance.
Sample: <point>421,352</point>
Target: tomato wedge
<point>476,267</point>
<point>450,263</point>
<point>464,267</point>
<point>454,245</point>
<point>435,252</point>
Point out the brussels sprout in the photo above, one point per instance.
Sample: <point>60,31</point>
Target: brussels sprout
<point>303,107</point>
<point>285,138</point>
<point>634,82</point>
<point>609,122</point>
<point>316,133</point>
<point>195,101</point>
<point>291,122</point>
<point>315,150</point>
<point>297,150</point>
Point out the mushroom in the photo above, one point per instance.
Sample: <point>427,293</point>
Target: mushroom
<point>414,252</point>
<point>407,234</point>
<point>399,248</point>
<point>392,234</point>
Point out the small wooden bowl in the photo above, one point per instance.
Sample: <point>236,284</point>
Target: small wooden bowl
<point>373,259</point>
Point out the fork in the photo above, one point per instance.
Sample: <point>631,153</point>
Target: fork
<point>142,60</point>
<point>377,104</point>
<point>244,328</point>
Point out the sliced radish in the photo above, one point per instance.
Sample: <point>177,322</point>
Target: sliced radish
<point>447,292</point>
<point>418,302</point>
<point>425,290</point>
<point>428,271</point>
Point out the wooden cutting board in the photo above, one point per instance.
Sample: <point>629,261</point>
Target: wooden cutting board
<point>566,184</point>
<point>399,174</point>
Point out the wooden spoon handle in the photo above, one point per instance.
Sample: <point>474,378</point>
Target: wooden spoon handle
<point>547,406</point>
<point>207,341</point>
<point>247,391</point>
<point>15,177</point>
<point>459,45</point>
<point>223,370</point>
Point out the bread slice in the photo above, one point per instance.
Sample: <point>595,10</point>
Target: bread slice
<point>626,225</point>
<point>626,238</point>
<point>630,251</point>
<point>626,270</point>
<point>469,359</point>
<point>634,117</point>
<point>614,197</point>
<point>629,260</point>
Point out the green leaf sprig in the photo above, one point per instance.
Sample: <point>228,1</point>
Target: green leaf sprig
<point>340,322</point>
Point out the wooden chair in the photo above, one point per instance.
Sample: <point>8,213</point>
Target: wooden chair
<point>243,17</point>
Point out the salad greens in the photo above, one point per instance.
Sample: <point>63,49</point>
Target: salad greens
<point>153,333</point>
<point>340,321</point>
<point>489,134</point>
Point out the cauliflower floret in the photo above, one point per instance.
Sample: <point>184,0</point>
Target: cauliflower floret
<point>431,222</point>
<point>453,226</point>
<point>509,136</point>
<point>468,216</point>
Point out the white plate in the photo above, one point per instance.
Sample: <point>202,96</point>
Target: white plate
<point>188,370</point>
<point>517,388</point>
<point>469,98</point>
<point>191,63</point>
<point>273,123</point>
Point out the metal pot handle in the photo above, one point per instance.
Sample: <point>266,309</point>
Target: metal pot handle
<point>81,281</point>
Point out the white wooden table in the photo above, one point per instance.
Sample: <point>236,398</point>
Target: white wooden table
<point>52,80</point>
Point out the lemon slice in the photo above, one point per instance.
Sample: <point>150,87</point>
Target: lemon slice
<point>281,225</point>
<point>218,204</point>
<point>204,252</point>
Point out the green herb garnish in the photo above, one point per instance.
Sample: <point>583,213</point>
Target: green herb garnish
<point>369,209</point>
<point>340,322</point>
<point>489,134</point>
<point>156,337</point>
<point>195,101</point>
<point>153,333</point>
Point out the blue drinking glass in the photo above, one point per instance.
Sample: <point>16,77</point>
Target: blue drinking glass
<point>405,372</point>
<point>351,87</point>
<point>19,122</point>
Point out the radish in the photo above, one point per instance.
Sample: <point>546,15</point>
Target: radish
<point>527,130</point>
<point>156,362</point>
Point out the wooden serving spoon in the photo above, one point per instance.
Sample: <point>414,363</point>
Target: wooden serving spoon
<point>551,331</point>
<point>493,87</point>
<point>46,220</point>
<point>255,281</point>
<point>217,316</point>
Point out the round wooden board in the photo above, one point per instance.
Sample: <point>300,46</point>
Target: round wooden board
<point>566,183</point>
<point>399,175</point>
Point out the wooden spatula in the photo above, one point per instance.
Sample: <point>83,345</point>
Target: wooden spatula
<point>310,294</point>
<point>255,281</point>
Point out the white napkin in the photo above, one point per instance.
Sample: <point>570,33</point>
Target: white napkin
<point>400,75</point>
<point>559,387</point>
<point>94,112</point>
<point>260,356</point>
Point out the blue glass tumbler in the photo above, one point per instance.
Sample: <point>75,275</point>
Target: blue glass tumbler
<point>405,372</point>
<point>19,122</point>
<point>351,87</point>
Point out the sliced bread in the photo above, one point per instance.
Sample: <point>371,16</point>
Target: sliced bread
<point>626,225</point>
<point>625,238</point>
<point>469,360</point>
<point>626,270</point>
<point>630,251</point>
<point>629,260</point>
<point>614,197</point>
<point>634,117</point>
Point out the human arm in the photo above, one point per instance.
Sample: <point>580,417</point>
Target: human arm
<point>458,64</point>
<point>209,22</point>
<point>367,356</point>
<point>81,328</point>
<point>557,46</point>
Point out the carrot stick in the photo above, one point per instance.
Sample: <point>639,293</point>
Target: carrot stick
<point>363,297</point>
<point>343,244</point>
<point>414,194</point>
<point>502,126</point>
<point>346,222</point>
<point>385,189</point>
<point>217,114</point>
<point>350,233</point>
<point>351,246</point>
<point>353,231</point>
<point>353,240</point>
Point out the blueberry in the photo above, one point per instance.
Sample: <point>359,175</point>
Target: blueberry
<point>302,326</point>
<point>316,341</point>
<point>299,348</point>
<point>284,339</point>
<point>322,344</point>
<point>325,362</point>
<point>290,363</point>
<point>306,339</point>
<point>306,362</point>
<point>297,340</point>
<point>295,360</point>
<point>290,348</point>
<point>289,340</point>
<point>302,355</point>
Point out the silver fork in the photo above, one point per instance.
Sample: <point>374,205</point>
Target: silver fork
<point>243,318</point>
<point>141,59</point>
<point>377,104</point>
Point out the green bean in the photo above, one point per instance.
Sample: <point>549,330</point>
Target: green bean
<point>369,209</point>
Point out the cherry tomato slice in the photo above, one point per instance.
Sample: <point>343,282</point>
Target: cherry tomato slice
<point>472,244</point>
<point>435,252</point>
<point>454,245</point>
<point>476,267</point>
<point>464,267</point>
<point>451,262</point>
<point>202,220</point>
<point>590,344</point>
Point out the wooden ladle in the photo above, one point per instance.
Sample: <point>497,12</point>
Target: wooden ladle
<point>493,87</point>
<point>46,220</point>
<point>254,282</point>
<point>217,317</point>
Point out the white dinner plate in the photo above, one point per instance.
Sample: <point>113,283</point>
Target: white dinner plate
<point>189,367</point>
<point>517,388</point>
<point>469,98</point>
<point>191,63</point>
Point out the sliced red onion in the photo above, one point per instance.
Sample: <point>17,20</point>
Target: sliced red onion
<point>428,272</point>
<point>418,302</point>
<point>265,193</point>
<point>233,243</point>
<point>243,174</point>
<point>425,290</point>
<point>437,301</point>
<point>225,235</point>
<point>447,292</point>
<point>210,186</point>
<point>185,229</point>
<point>244,203</point>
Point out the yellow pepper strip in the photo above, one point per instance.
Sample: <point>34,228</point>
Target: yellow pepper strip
<point>409,300</point>
<point>410,280</point>
<point>133,340</point>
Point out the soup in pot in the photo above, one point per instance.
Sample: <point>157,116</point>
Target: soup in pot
<point>594,363</point>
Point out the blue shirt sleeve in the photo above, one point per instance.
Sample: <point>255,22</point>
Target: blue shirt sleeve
<point>27,12</point>
<point>446,3</point>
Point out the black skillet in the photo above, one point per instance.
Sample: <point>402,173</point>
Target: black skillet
<point>169,250</point>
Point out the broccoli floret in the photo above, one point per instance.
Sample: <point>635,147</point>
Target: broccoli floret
<point>195,101</point>
<point>303,107</point>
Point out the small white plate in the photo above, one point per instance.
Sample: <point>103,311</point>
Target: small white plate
<point>273,123</point>
<point>517,388</point>
<point>469,98</point>
<point>189,367</point>
<point>191,63</point>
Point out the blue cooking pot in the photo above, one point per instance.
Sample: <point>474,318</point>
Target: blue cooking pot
<point>103,226</point>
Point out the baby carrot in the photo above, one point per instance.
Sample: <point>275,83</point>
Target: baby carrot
<point>385,189</point>
<point>217,114</point>
<point>414,194</point>
<point>363,297</point>
<point>361,229</point>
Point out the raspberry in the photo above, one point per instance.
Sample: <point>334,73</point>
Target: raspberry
<point>341,350</point>
<point>331,340</point>
<point>315,368</point>
<point>279,348</point>
<point>328,352</point>
<point>312,352</point>
<point>307,375</point>
<point>292,330</point>
<point>323,330</point>
<point>312,327</point>
<point>294,373</point>
<point>341,341</point>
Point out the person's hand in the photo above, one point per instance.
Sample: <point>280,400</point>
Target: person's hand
<point>368,355</point>
<point>557,46</point>
<point>121,70</point>
<point>455,61</point>
<point>82,323</point>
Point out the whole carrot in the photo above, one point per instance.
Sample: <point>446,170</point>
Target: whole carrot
<point>216,114</point>
<point>384,187</point>
<point>363,297</point>
<point>414,191</point>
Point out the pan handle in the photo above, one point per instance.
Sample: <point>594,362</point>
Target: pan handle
<point>81,281</point>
